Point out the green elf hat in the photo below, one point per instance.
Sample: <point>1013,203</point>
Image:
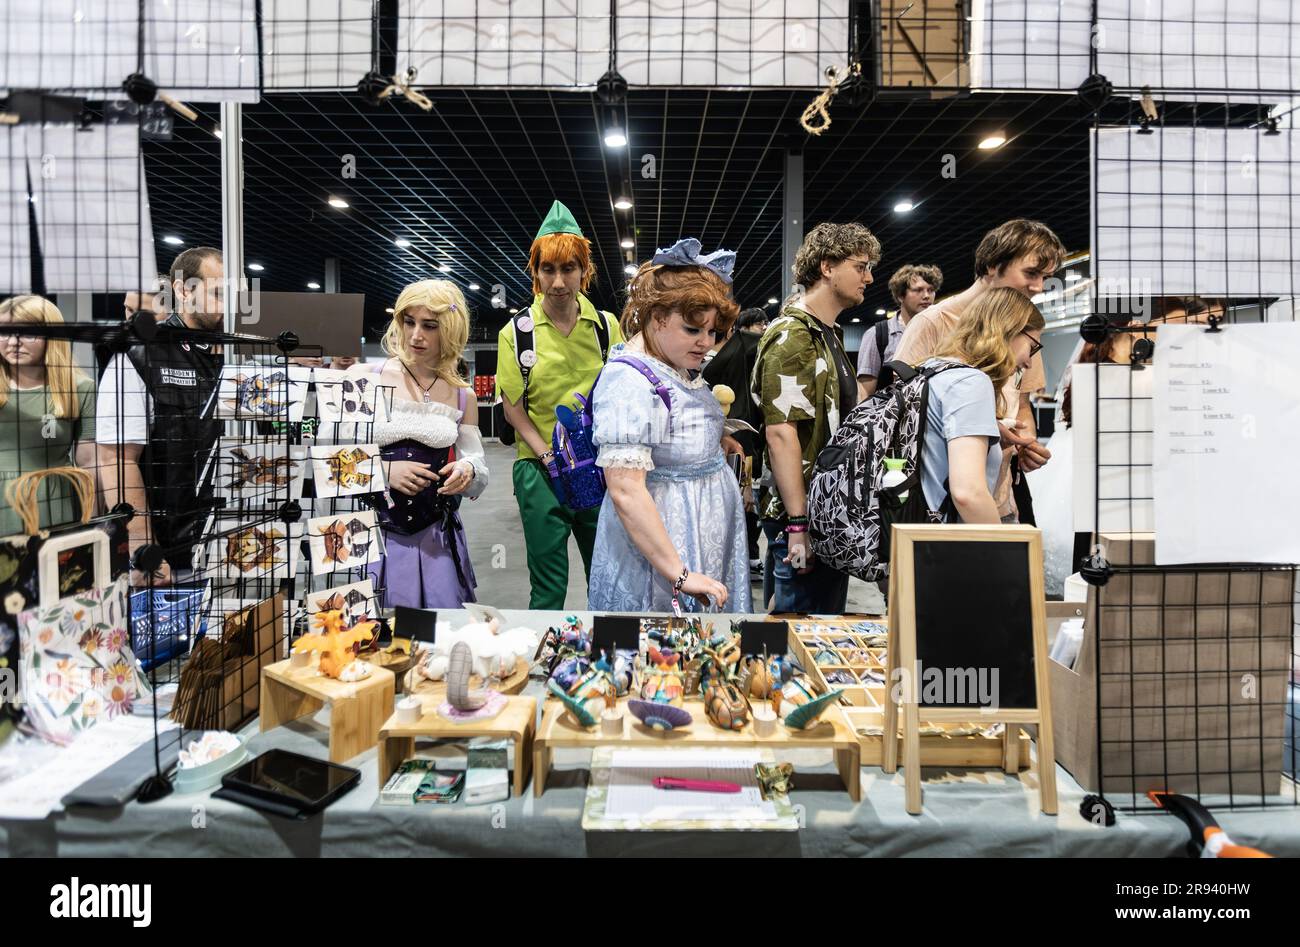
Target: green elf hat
<point>559,220</point>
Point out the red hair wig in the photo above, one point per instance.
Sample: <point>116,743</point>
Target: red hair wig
<point>558,249</point>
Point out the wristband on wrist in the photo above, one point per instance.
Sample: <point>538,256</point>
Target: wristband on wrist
<point>797,528</point>
<point>799,520</point>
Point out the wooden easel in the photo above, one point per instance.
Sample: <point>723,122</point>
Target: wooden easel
<point>903,654</point>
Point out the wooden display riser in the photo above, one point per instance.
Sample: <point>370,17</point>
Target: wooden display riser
<point>517,721</point>
<point>558,730</point>
<point>357,710</point>
<point>437,690</point>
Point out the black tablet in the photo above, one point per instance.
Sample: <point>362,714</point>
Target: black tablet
<point>298,781</point>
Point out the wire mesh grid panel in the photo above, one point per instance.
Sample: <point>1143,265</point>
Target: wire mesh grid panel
<point>1194,636</point>
<point>1172,45</point>
<point>316,44</point>
<point>205,50</point>
<point>567,43</point>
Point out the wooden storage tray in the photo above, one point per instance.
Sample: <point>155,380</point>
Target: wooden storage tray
<point>868,698</point>
<point>559,730</point>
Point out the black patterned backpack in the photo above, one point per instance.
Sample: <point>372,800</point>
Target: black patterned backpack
<point>849,512</point>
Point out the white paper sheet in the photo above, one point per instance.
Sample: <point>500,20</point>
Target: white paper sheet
<point>39,792</point>
<point>1123,446</point>
<point>315,44</point>
<point>565,43</point>
<point>15,229</point>
<point>195,50</point>
<point>1227,409</point>
<point>1164,44</point>
<point>633,795</point>
<point>92,208</point>
<point>1204,211</point>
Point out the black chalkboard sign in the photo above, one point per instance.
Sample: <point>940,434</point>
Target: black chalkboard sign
<point>974,624</point>
<point>417,624</point>
<point>758,636</point>
<point>612,632</point>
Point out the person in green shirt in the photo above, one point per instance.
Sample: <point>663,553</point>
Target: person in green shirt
<point>570,340</point>
<point>805,384</point>
<point>47,411</point>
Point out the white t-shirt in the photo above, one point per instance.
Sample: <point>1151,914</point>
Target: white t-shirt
<point>124,406</point>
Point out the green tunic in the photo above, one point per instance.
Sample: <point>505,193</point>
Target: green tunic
<point>25,448</point>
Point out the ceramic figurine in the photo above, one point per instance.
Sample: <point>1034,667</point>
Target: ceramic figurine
<point>726,706</point>
<point>805,716</point>
<point>577,708</point>
<point>493,653</point>
<point>336,644</point>
<point>458,673</point>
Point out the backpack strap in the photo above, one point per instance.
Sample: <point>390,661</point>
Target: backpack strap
<point>660,388</point>
<point>882,339</point>
<point>524,343</point>
<point>602,334</point>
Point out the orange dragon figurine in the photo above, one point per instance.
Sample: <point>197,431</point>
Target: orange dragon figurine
<point>336,643</point>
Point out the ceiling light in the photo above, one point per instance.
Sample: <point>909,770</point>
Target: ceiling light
<point>173,240</point>
<point>444,268</point>
<point>313,285</point>
<point>773,301</point>
<point>615,138</point>
<point>513,310</point>
<point>338,202</point>
<point>1072,277</point>
<point>388,310</point>
<point>628,244</point>
<point>217,132</point>
<point>473,287</point>
<point>856,320</point>
<point>630,269</point>
<point>256,267</point>
<point>996,140</point>
<point>402,242</point>
<point>623,204</point>
<point>880,312</point>
<point>903,207</point>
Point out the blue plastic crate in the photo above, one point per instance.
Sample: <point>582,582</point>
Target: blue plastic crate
<point>173,617</point>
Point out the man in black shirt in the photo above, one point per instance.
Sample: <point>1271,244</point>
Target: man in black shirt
<point>154,423</point>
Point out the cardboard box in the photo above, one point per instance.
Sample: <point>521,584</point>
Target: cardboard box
<point>922,45</point>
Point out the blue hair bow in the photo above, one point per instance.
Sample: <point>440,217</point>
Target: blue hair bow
<point>686,252</point>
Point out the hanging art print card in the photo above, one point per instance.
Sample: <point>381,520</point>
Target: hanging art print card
<point>265,473</point>
<point>343,541</point>
<point>345,398</point>
<point>356,601</point>
<point>263,393</point>
<point>347,470</point>
<point>266,550</point>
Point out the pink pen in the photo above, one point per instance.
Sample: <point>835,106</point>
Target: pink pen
<point>698,785</point>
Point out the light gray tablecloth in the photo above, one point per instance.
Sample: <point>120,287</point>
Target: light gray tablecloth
<point>967,813</point>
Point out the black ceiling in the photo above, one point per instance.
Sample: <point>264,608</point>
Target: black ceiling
<point>469,181</point>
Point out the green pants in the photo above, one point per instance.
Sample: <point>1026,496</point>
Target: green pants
<point>547,525</point>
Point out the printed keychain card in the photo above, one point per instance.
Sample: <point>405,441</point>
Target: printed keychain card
<point>262,473</point>
<point>343,398</point>
<point>343,541</point>
<point>261,392</point>
<point>347,470</point>
<point>266,550</point>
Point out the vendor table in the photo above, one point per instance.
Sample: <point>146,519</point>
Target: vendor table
<point>968,813</point>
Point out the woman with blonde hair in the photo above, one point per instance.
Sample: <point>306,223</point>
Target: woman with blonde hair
<point>432,451</point>
<point>47,410</point>
<point>671,533</point>
<point>998,335</point>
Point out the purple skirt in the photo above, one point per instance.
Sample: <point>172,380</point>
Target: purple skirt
<point>418,571</point>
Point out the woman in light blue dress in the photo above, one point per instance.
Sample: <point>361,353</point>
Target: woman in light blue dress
<point>672,525</point>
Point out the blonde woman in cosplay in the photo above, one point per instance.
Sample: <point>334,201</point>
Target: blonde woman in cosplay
<point>432,450</point>
<point>998,335</point>
<point>47,410</point>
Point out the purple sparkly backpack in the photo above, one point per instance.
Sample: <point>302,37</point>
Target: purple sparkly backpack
<point>578,482</point>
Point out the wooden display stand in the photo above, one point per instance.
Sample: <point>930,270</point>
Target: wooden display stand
<point>994,573</point>
<point>558,730</point>
<point>517,721</point>
<point>437,690</point>
<point>357,710</point>
<point>955,750</point>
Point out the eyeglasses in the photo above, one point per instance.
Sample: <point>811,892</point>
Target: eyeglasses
<point>1034,345</point>
<point>862,266</point>
<point>19,336</point>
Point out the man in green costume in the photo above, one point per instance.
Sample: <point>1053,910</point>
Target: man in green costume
<point>546,356</point>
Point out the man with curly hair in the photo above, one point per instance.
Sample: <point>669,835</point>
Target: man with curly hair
<point>913,288</point>
<point>805,383</point>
